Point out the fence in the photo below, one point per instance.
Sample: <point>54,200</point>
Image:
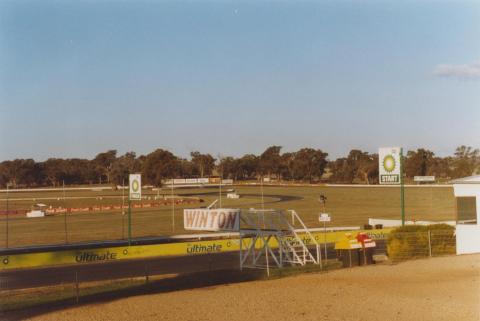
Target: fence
<point>410,245</point>
<point>69,284</point>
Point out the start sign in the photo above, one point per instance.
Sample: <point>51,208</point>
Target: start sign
<point>389,165</point>
<point>135,184</point>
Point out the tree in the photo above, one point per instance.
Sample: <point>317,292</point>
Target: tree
<point>103,164</point>
<point>287,163</point>
<point>357,166</point>
<point>440,167</point>
<point>247,166</point>
<point>123,166</point>
<point>269,162</point>
<point>340,173</point>
<point>367,170</point>
<point>228,167</point>
<point>159,165</point>
<point>186,168</point>
<point>54,171</point>
<point>203,163</point>
<point>21,172</point>
<point>418,163</point>
<point>309,163</point>
<point>465,162</point>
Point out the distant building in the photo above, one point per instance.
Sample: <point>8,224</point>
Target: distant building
<point>467,197</point>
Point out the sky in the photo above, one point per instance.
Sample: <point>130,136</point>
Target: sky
<point>234,77</point>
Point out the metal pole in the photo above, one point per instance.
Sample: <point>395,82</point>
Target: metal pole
<point>429,243</point>
<point>129,221</point>
<point>146,274</point>
<point>325,238</point>
<point>123,208</point>
<point>65,215</point>
<point>7,217</point>
<point>266,255</point>
<point>261,187</point>
<point>402,188</point>
<point>123,196</point>
<point>77,290</point>
<point>173,209</point>
<point>220,192</point>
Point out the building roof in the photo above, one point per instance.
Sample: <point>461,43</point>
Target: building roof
<point>467,180</point>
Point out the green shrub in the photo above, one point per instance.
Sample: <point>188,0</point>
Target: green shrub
<point>412,241</point>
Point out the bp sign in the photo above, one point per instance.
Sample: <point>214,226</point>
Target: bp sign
<point>135,183</point>
<point>389,165</point>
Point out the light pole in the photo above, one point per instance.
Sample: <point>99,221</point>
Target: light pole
<point>65,215</point>
<point>7,218</point>
<point>402,187</point>
<point>123,208</point>
<point>323,201</point>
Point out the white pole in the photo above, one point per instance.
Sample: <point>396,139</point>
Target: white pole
<point>123,208</point>
<point>325,238</point>
<point>429,243</point>
<point>220,192</point>
<point>65,216</point>
<point>268,266</point>
<point>261,187</point>
<point>123,197</point>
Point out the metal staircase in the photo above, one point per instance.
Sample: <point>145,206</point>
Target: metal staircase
<point>267,236</point>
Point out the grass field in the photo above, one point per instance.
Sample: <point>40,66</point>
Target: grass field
<point>349,206</point>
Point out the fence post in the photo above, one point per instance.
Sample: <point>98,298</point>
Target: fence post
<point>429,243</point>
<point>146,274</point>
<point>77,291</point>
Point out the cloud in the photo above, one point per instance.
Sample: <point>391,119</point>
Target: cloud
<point>467,71</point>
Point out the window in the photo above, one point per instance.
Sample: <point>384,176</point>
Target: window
<point>466,210</point>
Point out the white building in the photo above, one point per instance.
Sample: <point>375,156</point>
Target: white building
<point>467,196</point>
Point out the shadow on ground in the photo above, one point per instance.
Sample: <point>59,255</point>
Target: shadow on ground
<point>177,283</point>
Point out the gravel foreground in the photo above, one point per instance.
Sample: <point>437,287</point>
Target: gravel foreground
<point>446,288</point>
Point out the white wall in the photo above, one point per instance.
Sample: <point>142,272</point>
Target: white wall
<point>468,238</point>
<point>468,235</point>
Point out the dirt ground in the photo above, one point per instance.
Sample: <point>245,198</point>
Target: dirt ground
<point>446,288</point>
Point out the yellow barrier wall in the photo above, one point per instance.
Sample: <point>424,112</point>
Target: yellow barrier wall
<point>43,259</point>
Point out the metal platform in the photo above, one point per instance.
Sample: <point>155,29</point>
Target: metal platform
<point>268,238</point>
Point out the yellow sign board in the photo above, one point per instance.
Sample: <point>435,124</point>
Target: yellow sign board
<point>43,259</point>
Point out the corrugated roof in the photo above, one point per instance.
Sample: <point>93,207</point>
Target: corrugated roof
<point>475,179</point>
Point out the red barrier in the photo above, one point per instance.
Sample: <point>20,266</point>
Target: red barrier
<point>101,208</point>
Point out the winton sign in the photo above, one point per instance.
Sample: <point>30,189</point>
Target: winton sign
<point>222,219</point>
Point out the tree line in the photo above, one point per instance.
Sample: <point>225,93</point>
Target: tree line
<point>305,165</point>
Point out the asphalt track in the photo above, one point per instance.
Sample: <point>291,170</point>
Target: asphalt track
<point>38,277</point>
<point>48,276</point>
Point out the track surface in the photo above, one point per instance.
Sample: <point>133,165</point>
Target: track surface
<point>29,278</point>
<point>437,289</point>
<point>38,277</point>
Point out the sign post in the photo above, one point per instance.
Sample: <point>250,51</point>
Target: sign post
<point>135,193</point>
<point>402,187</point>
<point>324,217</point>
<point>390,171</point>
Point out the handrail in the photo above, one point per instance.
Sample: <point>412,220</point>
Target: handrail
<point>297,237</point>
<point>306,230</point>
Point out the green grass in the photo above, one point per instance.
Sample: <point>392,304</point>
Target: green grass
<point>349,206</point>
